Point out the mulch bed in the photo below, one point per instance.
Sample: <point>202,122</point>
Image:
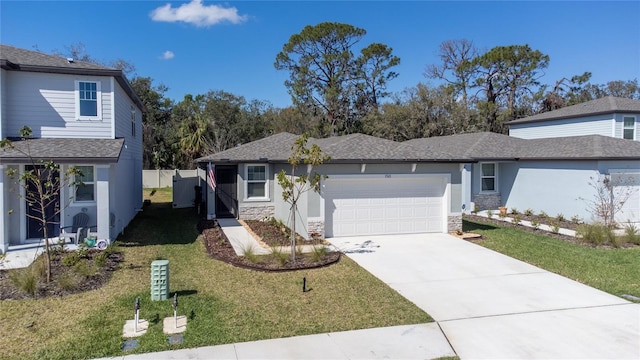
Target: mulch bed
<point>8,291</point>
<point>219,247</point>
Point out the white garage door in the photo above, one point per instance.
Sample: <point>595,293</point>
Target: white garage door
<point>383,205</point>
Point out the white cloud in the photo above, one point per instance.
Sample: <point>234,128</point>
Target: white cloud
<point>168,55</point>
<point>197,14</point>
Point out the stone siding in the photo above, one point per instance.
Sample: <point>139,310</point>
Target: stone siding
<point>454,223</point>
<point>487,201</point>
<point>315,227</point>
<point>256,212</point>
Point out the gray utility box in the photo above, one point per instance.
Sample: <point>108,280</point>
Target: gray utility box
<point>160,280</point>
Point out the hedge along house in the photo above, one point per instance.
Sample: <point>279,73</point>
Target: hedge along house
<point>82,115</point>
<point>374,186</point>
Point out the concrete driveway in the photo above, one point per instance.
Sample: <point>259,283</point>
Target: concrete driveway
<point>491,306</point>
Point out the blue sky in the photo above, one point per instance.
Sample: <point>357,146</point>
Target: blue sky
<point>197,46</point>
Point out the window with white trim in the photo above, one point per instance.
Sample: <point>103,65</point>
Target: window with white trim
<point>257,186</point>
<point>86,190</point>
<point>88,100</point>
<point>488,177</point>
<point>628,127</point>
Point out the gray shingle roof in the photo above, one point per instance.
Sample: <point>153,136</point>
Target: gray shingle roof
<point>581,147</point>
<point>23,57</point>
<point>603,105</point>
<point>455,148</point>
<point>17,59</point>
<point>64,150</point>
<point>347,148</point>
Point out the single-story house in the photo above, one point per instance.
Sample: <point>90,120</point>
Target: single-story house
<point>378,186</point>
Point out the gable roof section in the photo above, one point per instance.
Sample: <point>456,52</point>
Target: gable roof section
<point>68,151</point>
<point>473,147</point>
<point>588,147</point>
<point>17,59</point>
<point>605,105</point>
<point>346,148</point>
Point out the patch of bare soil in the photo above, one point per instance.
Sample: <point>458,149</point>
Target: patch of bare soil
<point>219,247</point>
<point>65,279</point>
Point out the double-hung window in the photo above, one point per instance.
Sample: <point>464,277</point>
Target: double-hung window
<point>488,177</point>
<point>257,185</point>
<point>628,127</point>
<point>88,100</point>
<point>85,190</point>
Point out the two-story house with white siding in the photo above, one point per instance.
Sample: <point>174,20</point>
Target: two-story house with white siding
<point>83,115</point>
<point>607,116</point>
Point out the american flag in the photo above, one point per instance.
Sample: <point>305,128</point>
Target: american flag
<point>212,177</point>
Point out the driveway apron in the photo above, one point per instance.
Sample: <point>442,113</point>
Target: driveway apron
<point>492,306</point>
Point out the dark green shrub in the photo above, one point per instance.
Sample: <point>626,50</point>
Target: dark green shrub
<point>528,212</point>
<point>560,217</point>
<point>631,234</point>
<point>514,211</point>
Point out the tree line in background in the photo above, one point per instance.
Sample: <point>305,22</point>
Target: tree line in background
<point>337,90</point>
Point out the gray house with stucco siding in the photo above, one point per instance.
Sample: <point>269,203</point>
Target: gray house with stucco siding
<point>378,186</point>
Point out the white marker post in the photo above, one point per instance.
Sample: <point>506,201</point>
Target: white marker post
<point>175,310</point>
<point>136,306</point>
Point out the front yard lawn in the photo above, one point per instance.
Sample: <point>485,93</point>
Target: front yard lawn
<point>614,270</point>
<point>224,304</point>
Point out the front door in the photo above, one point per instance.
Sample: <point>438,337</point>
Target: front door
<point>51,206</point>
<point>226,191</point>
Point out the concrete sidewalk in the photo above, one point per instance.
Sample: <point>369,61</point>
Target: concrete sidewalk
<point>421,341</point>
<point>492,306</point>
<point>240,238</point>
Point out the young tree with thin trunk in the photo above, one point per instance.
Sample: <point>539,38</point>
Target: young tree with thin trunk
<point>42,184</point>
<point>294,186</point>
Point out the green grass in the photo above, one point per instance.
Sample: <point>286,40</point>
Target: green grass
<point>615,271</point>
<point>224,304</point>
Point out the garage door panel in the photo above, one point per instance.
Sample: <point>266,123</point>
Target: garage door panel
<point>383,206</point>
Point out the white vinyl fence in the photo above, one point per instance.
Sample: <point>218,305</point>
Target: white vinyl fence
<point>164,178</point>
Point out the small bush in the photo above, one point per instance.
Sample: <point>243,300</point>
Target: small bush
<point>631,234</point>
<point>528,212</point>
<point>594,234</point>
<point>100,260</point>
<point>281,257</point>
<point>560,217</point>
<point>250,254</point>
<point>489,214</point>
<point>25,280</point>
<point>71,259</point>
<point>318,252</point>
<point>535,223</point>
<point>83,268</point>
<point>475,210</point>
<point>517,219</point>
<point>543,214</point>
<point>68,281</point>
<point>576,219</point>
<point>555,227</point>
<point>514,211</point>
